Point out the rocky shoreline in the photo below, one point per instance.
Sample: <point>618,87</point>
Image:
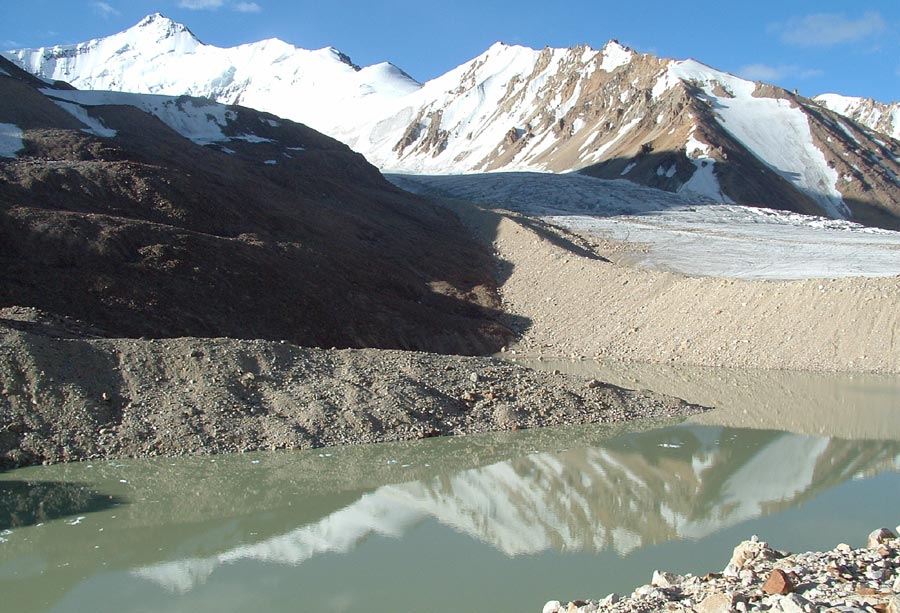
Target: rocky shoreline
<point>69,399</point>
<point>760,578</point>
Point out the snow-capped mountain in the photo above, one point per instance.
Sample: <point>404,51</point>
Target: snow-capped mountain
<point>878,116</point>
<point>679,126</point>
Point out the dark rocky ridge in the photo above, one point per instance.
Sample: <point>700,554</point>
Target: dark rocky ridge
<point>149,234</point>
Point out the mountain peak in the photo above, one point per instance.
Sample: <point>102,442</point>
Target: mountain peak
<point>159,24</point>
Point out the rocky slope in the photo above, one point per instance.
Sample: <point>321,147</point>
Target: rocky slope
<point>584,299</point>
<point>673,125</point>
<point>160,217</point>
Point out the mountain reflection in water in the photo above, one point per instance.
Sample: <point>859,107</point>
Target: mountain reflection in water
<point>631,491</point>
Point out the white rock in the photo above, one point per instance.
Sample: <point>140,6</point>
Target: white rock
<point>552,606</point>
<point>792,603</point>
<point>610,600</point>
<point>664,579</point>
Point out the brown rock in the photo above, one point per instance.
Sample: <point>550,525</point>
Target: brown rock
<point>778,583</point>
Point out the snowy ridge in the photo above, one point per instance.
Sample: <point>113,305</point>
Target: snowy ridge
<point>160,56</point>
<point>773,129</point>
<point>884,118</point>
<point>611,112</point>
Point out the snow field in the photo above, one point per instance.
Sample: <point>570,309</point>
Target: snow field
<point>683,232</point>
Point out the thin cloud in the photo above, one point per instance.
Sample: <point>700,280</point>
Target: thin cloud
<point>247,7</point>
<point>201,5</point>
<point>771,74</point>
<point>829,29</point>
<point>105,10</point>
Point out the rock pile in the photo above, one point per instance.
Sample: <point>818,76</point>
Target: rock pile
<point>759,578</point>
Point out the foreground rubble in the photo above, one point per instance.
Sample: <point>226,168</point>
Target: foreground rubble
<point>760,578</point>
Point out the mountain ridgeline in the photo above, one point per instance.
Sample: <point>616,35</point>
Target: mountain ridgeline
<point>678,126</point>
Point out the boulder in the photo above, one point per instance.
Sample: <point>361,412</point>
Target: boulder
<point>778,583</point>
<point>877,537</point>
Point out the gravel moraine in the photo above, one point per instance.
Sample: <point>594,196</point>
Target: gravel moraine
<point>759,578</point>
<point>66,399</point>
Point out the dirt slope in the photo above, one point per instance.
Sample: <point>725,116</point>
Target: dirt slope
<point>581,302</point>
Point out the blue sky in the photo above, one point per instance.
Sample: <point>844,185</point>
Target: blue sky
<point>819,46</point>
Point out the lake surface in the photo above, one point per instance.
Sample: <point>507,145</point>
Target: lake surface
<point>502,522</point>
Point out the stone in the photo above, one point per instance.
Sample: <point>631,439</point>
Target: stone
<point>892,605</point>
<point>794,603</point>
<point>745,553</point>
<point>552,606</point>
<point>877,537</point>
<point>473,377</point>
<point>778,582</point>
<point>610,600</point>
<point>716,603</point>
<point>664,579</point>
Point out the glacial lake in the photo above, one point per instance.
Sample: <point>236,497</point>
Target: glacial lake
<point>502,522</point>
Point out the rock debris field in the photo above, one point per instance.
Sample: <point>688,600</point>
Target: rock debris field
<point>760,578</point>
<point>64,399</point>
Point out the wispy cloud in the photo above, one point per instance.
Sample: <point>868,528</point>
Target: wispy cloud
<point>201,5</point>
<point>105,10</point>
<point>247,7</point>
<point>213,5</point>
<point>9,44</point>
<point>829,29</point>
<point>770,74</point>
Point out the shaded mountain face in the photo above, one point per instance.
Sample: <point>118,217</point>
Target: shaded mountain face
<point>159,216</point>
<point>678,126</point>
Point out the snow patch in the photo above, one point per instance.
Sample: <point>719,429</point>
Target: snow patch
<point>704,181</point>
<point>252,138</point>
<point>669,172</point>
<point>776,132</point>
<point>10,140</point>
<point>198,120</point>
<point>628,169</point>
<point>614,56</point>
<point>94,125</point>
